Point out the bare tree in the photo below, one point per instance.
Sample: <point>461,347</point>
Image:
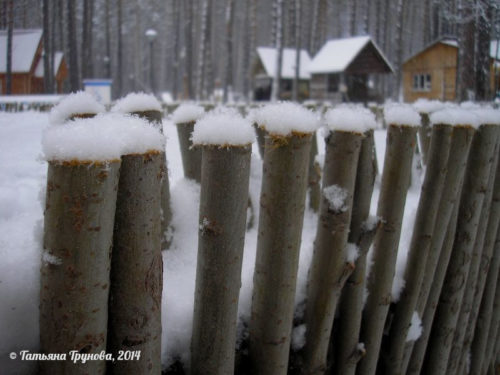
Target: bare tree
<point>10,32</point>
<point>228,71</point>
<point>74,78</point>
<point>48,70</point>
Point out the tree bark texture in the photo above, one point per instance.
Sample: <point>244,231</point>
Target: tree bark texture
<point>397,170</point>
<point>330,268</point>
<point>261,139</point>
<point>351,303</point>
<point>314,177</point>
<point>223,212</point>
<point>467,316</point>
<point>420,246</point>
<point>10,36</point>
<point>450,300</point>
<point>424,137</point>
<point>457,163</point>
<point>191,155</point>
<point>78,235</point>
<point>491,354</point>
<point>282,201</point>
<point>137,266</point>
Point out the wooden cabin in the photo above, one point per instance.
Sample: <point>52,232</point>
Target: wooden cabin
<point>432,72</point>
<point>27,63</point>
<point>342,69</point>
<point>264,71</point>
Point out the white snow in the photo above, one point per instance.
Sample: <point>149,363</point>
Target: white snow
<point>48,258</point>
<point>223,127</point>
<point>187,113</point>
<point>267,56</point>
<point>415,328</point>
<point>488,116</point>
<point>401,114</point>
<point>80,102</point>
<point>428,106</point>
<point>137,102</point>
<point>25,43</point>
<point>336,196</point>
<point>336,55</point>
<point>352,252</point>
<point>58,56</point>
<point>350,119</point>
<point>285,118</point>
<point>455,117</point>
<point>102,138</point>
<point>298,337</point>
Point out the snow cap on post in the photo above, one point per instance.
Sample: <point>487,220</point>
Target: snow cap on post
<point>401,114</point>
<point>223,127</point>
<point>102,138</point>
<point>353,119</point>
<point>137,102</point>
<point>77,103</point>
<point>455,117</point>
<point>187,112</point>
<point>428,106</point>
<point>285,118</point>
<point>488,116</point>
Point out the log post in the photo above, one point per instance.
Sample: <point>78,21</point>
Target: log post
<point>222,221</point>
<point>282,200</point>
<point>397,170</point>
<point>450,300</point>
<point>420,245</point>
<point>331,265</point>
<point>457,163</point>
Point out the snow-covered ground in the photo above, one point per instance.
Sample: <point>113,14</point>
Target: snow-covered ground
<point>22,181</point>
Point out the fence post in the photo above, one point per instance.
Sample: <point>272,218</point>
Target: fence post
<point>457,163</point>
<point>314,180</point>
<point>282,201</point>
<point>401,137</point>
<point>184,118</point>
<point>331,264</point>
<point>430,197</point>
<point>226,140</point>
<point>446,316</point>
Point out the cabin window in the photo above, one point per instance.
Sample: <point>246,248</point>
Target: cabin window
<point>422,82</point>
<point>333,82</point>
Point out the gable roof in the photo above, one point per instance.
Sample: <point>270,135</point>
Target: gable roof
<point>267,56</point>
<point>58,57</point>
<point>24,46</point>
<point>337,54</point>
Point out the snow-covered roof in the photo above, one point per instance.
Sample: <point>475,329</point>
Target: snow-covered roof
<point>58,56</point>
<point>24,46</point>
<point>268,57</point>
<point>337,54</point>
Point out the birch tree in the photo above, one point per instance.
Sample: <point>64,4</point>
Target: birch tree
<point>275,90</point>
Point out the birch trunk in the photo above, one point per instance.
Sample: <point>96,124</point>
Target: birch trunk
<point>330,268</point>
<point>223,211</point>
<point>457,163</point>
<point>282,201</point>
<point>137,266</point>
<point>420,246</point>
<point>450,300</point>
<point>466,316</point>
<point>397,171</point>
<point>351,304</point>
<point>78,234</point>
<point>191,155</point>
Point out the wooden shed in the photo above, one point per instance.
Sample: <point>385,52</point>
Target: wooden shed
<point>432,72</point>
<point>27,63</point>
<point>341,70</point>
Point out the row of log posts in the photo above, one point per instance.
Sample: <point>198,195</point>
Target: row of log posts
<point>447,312</point>
<point>396,174</point>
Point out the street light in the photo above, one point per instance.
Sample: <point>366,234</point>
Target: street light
<point>151,36</point>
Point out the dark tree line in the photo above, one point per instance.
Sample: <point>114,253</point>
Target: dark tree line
<point>204,45</point>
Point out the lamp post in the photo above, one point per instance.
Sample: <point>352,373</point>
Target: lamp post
<point>151,36</point>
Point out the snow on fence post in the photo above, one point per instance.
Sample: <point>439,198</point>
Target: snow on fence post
<point>430,196</point>
<point>225,138</point>
<point>284,185</point>
<point>184,118</point>
<point>333,260</point>
<point>487,282</point>
<point>471,200</point>
<point>361,233</point>
<point>472,296</point>
<point>134,316</point>
<point>457,163</point>
<point>147,107</point>
<point>425,107</point>
<point>77,105</point>
<point>401,137</point>
<point>84,163</point>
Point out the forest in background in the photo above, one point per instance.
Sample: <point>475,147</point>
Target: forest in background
<point>202,45</point>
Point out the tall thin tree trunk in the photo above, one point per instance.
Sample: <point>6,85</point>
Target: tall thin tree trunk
<point>107,36</point>
<point>48,70</point>
<point>119,62</point>
<point>466,69</point>
<point>397,170</point>
<point>10,37</point>
<point>205,9</point>
<point>280,229</point>
<point>276,86</point>
<point>298,46</point>
<point>74,75</point>
<point>188,41</point>
<point>176,46</point>
<point>228,71</point>
<point>484,27</point>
